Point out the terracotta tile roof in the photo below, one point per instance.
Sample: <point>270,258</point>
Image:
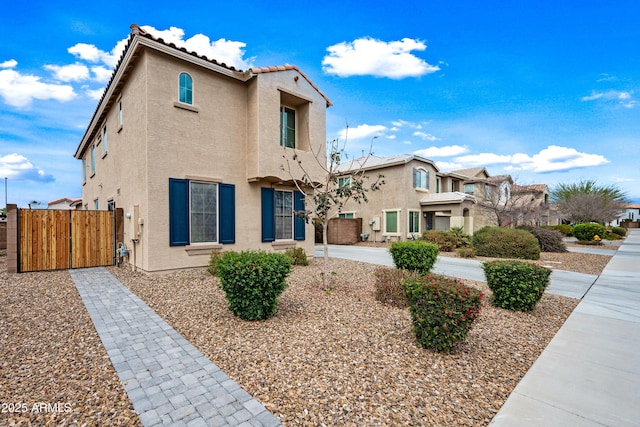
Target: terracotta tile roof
<point>63,199</point>
<point>534,188</point>
<point>288,67</point>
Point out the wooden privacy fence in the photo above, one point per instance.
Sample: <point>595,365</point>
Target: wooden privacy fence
<point>62,239</point>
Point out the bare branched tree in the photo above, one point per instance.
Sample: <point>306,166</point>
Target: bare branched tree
<point>325,198</point>
<point>587,201</point>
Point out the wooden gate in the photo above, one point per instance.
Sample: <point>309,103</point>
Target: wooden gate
<point>62,239</point>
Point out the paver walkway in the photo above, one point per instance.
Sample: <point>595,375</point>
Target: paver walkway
<point>167,379</point>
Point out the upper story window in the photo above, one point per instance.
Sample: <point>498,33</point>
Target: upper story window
<point>84,170</point>
<point>438,181</point>
<point>120,113</point>
<point>488,192</point>
<point>104,139</point>
<point>344,182</point>
<point>186,89</point>
<point>287,127</point>
<point>93,159</point>
<point>420,179</point>
<point>469,188</point>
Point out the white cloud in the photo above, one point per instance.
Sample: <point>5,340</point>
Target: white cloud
<point>403,123</point>
<point>69,73</point>
<point>91,53</point>
<point>368,56</point>
<point>624,98</point>
<point>604,77</point>
<point>95,93</point>
<point>362,131</point>
<point>551,159</point>
<point>223,51</point>
<point>102,74</point>
<point>9,64</point>
<point>19,168</point>
<point>20,90</point>
<point>425,136</point>
<point>449,166</point>
<point>447,151</point>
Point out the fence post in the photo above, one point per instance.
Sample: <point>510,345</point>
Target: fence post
<point>12,238</point>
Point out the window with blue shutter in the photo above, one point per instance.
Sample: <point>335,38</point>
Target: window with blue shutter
<point>178,212</point>
<point>227,214</point>
<point>298,222</point>
<point>268,215</point>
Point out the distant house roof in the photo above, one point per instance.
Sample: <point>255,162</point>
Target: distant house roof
<point>473,173</point>
<point>632,206</point>
<point>64,199</point>
<point>533,188</point>
<point>140,37</point>
<point>375,162</point>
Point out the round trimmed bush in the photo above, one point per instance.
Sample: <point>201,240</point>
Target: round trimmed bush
<point>549,240</point>
<point>586,232</point>
<point>414,255</point>
<point>500,242</point>
<point>516,285</point>
<point>252,282</point>
<point>620,231</point>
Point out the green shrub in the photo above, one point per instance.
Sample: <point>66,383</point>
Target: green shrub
<point>565,229</point>
<point>414,255</point>
<point>586,232</point>
<point>499,242</point>
<point>549,240</point>
<point>613,236</point>
<point>442,310</point>
<point>447,241</point>
<point>213,262</point>
<point>389,286</point>
<point>516,285</point>
<point>620,231</point>
<point>298,256</point>
<point>466,253</point>
<point>252,282</point>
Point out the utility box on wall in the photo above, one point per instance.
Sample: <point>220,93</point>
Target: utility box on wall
<point>344,231</point>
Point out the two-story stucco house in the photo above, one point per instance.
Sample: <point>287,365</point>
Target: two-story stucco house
<point>192,150</point>
<point>416,196</point>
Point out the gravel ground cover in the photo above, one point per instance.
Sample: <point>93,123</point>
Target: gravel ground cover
<point>53,368</point>
<point>327,358</point>
<point>339,357</point>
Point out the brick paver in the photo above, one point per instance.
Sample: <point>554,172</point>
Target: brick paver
<point>168,380</point>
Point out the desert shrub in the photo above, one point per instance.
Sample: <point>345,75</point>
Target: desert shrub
<point>415,256</point>
<point>586,232</point>
<point>466,252</point>
<point>442,310</point>
<point>549,240</point>
<point>565,229</point>
<point>516,285</point>
<point>499,242</point>
<point>252,282</point>
<point>620,231</point>
<point>213,262</point>
<point>298,256</point>
<point>446,241</point>
<point>390,286</point>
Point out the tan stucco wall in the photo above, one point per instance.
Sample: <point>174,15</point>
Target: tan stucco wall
<point>214,140</point>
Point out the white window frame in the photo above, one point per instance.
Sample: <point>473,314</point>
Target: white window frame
<point>120,122</point>
<point>93,159</point>
<point>217,231</point>
<point>344,182</point>
<point>283,139</point>
<point>473,189</point>
<point>419,215</point>
<point>347,215</point>
<point>104,140</point>
<point>84,169</point>
<point>417,184</point>
<point>385,227</point>
<point>279,229</point>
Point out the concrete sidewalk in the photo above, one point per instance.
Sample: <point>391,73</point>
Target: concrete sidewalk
<point>589,373</point>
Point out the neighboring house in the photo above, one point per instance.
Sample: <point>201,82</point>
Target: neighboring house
<point>64,203</point>
<point>192,150</point>
<point>630,213</point>
<point>414,198</point>
<point>536,210</point>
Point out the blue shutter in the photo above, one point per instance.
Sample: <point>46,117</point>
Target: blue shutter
<point>298,223</point>
<point>227,213</point>
<point>178,212</point>
<point>268,215</point>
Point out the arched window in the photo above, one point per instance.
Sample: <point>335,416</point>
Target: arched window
<point>186,89</point>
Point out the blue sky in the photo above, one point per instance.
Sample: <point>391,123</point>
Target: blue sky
<point>546,91</point>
